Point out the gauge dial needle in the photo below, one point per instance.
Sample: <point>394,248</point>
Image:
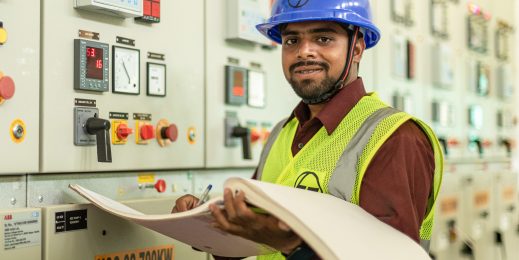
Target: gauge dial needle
<point>127,74</point>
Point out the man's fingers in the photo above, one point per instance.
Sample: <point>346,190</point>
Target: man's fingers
<point>283,226</point>
<point>244,214</point>
<point>228,201</point>
<point>185,203</point>
<point>218,216</point>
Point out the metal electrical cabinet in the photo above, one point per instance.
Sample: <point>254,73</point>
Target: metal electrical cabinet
<point>506,221</point>
<point>90,233</point>
<point>477,227</point>
<point>446,238</point>
<point>245,85</point>
<point>19,86</point>
<point>145,79</point>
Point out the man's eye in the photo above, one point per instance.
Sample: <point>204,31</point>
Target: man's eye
<point>290,41</point>
<point>324,39</point>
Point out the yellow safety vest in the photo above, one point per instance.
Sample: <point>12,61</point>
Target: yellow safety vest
<point>329,164</point>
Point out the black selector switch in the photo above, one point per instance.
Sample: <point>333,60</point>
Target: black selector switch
<point>244,134</point>
<point>100,128</point>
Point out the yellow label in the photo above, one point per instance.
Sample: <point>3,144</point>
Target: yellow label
<point>146,178</point>
<point>159,252</point>
<point>3,35</point>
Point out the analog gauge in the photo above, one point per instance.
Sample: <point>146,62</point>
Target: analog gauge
<point>156,79</point>
<point>126,70</point>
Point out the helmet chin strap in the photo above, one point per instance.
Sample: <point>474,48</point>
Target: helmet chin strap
<point>342,79</point>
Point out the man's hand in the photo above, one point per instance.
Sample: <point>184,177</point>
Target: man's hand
<point>185,203</point>
<point>240,220</point>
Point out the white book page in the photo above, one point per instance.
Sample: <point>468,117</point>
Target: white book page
<point>334,228</point>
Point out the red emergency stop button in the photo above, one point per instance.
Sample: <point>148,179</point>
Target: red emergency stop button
<point>170,132</point>
<point>160,186</point>
<point>123,131</point>
<point>7,87</point>
<point>147,132</point>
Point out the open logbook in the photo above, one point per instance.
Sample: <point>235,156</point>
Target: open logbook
<point>335,229</point>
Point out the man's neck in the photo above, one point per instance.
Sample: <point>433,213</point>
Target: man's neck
<point>316,108</point>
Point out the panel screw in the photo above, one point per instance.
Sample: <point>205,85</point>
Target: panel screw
<point>40,198</point>
<point>13,201</point>
<point>18,131</point>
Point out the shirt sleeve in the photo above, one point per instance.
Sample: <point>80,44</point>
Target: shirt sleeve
<point>398,181</point>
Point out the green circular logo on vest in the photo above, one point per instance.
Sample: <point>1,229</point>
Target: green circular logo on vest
<point>308,181</point>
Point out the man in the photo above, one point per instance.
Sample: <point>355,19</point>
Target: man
<point>339,139</point>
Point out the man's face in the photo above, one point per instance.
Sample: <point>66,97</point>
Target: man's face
<point>313,56</point>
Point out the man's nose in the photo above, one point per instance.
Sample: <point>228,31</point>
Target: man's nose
<point>306,50</point>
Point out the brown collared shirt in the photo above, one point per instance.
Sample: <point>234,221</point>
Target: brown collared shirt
<point>398,181</point>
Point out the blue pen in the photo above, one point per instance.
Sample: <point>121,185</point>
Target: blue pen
<point>204,196</point>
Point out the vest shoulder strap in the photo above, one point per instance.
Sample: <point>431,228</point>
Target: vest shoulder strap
<point>268,146</point>
<point>342,185</point>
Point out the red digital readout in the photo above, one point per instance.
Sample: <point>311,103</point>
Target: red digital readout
<point>94,63</point>
<point>91,52</point>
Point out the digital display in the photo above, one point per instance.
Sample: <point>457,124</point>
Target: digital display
<point>94,63</point>
<point>237,89</point>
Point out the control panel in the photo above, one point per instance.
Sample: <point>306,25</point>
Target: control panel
<point>246,91</point>
<point>128,95</point>
<point>462,51</point>
<point>19,87</point>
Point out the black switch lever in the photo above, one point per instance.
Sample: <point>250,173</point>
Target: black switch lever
<point>508,146</point>
<point>479,144</point>
<point>244,134</point>
<point>100,128</point>
<point>443,143</point>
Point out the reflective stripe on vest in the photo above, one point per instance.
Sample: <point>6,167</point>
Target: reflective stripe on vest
<point>343,185</point>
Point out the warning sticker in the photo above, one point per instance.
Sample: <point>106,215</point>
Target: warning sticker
<point>22,230</point>
<point>155,253</point>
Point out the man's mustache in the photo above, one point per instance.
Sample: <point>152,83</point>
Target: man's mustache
<point>323,65</point>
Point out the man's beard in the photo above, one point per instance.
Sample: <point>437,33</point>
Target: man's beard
<point>309,88</point>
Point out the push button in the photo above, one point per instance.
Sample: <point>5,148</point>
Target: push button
<point>166,133</point>
<point>170,132</point>
<point>255,136</point>
<point>7,88</point>
<point>147,132</point>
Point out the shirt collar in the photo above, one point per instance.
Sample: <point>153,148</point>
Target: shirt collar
<point>335,109</point>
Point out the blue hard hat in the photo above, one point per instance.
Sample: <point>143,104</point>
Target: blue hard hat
<point>348,12</point>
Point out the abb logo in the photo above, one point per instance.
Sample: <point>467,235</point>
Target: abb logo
<point>8,217</point>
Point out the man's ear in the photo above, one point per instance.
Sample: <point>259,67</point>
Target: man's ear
<point>358,50</point>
